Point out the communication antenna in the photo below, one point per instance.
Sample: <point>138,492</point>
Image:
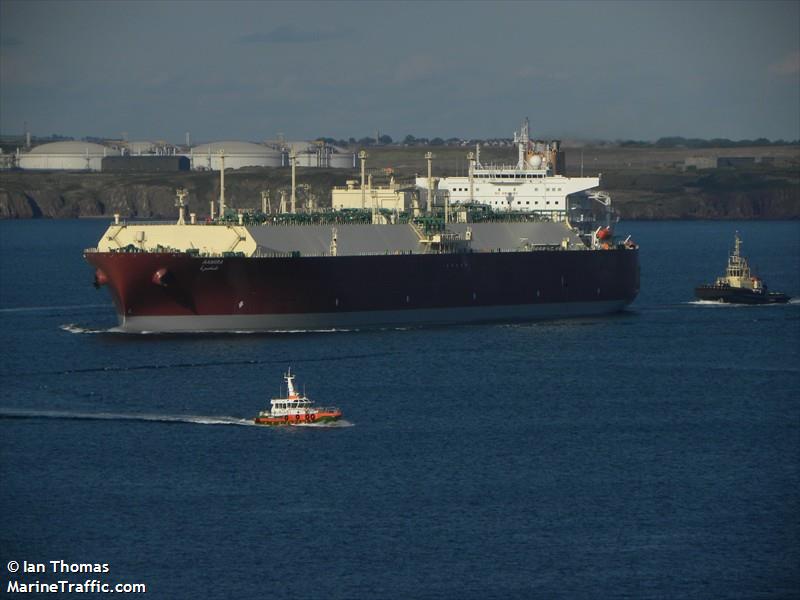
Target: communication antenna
<point>363,156</point>
<point>293,159</point>
<point>471,159</point>
<point>522,144</point>
<point>429,158</point>
<point>222,184</point>
<point>181,204</point>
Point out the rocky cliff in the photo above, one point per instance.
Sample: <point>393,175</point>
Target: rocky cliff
<point>72,195</point>
<point>712,194</point>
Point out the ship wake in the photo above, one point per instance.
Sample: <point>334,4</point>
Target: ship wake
<point>73,328</point>
<point>107,416</point>
<point>59,308</point>
<point>717,303</point>
<point>78,329</point>
<point>711,303</point>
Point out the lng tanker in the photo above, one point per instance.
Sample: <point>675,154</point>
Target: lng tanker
<point>366,268</point>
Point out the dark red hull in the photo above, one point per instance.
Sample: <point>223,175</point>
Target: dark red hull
<point>166,292</point>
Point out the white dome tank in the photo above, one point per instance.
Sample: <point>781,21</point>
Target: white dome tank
<point>66,156</point>
<point>205,157</point>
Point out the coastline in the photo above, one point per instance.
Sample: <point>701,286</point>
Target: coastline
<point>645,184</point>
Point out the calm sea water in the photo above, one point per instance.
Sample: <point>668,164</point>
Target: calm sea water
<point>652,454</point>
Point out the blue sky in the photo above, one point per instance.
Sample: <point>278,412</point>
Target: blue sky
<point>248,70</point>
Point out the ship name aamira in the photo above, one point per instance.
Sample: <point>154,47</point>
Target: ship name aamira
<point>211,264</point>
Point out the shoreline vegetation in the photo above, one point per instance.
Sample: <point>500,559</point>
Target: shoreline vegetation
<point>646,182</point>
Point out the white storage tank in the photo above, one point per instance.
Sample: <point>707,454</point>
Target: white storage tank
<point>66,156</point>
<point>309,159</point>
<point>205,157</point>
<point>342,160</point>
<point>318,154</point>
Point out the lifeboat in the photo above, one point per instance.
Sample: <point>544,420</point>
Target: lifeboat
<point>295,409</point>
<point>604,234</point>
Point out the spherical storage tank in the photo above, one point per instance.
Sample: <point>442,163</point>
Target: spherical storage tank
<point>66,156</point>
<point>205,157</point>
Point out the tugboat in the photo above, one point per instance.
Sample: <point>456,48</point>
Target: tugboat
<point>295,409</point>
<point>738,285</point>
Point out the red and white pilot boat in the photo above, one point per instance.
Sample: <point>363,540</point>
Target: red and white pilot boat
<point>295,409</point>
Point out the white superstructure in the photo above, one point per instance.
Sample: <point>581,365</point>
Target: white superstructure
<point>532,185</point>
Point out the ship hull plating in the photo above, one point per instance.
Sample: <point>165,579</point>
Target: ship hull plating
<point>164,292</point>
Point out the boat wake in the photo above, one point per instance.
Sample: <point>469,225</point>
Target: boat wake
<point>73,328</point>
<point>27,309</point>
<point>711,303</point>
<point>717,303</point>
<point>78,329</point>
<point>103,416</point>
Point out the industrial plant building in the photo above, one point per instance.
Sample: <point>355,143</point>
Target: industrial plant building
<point>145,164</point>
